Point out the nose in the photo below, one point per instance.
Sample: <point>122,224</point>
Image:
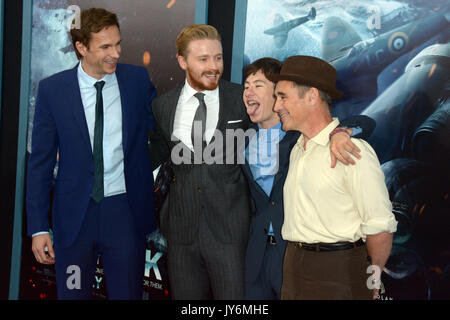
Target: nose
<point>248,92</point>
<point>115,52</point>
<point>277,106</point>
<point>215,64</point>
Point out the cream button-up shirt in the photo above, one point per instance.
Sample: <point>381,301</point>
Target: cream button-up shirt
<point>328,205</point>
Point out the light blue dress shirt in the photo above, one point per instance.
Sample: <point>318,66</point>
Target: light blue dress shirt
<point>262,155</point>
<point>114,178</point>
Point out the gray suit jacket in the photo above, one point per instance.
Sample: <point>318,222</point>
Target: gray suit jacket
<point>219,191</point>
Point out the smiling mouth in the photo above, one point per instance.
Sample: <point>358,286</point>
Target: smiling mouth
<point>212,76</point>
<point>282,115</point>
<point>111,63</point>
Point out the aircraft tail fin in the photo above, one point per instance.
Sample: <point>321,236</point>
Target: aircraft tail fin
<point>312,14</point>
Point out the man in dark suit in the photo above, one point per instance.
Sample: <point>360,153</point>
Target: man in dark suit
<point>206,224</point>
<point>266,167</point>
<point>96,117</point>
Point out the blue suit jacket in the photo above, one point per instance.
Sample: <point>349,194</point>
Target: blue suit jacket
<point>60,127</point>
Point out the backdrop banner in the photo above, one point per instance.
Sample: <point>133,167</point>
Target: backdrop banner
<point>393,64</point>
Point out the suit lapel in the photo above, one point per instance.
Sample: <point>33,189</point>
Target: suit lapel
<point>284,151</point>
<point>248,171</point>
<point>125,92</point>
<point>222,107</point>
<point>258,187</point>
<point>168,110</point>
<point>76,105</point>
<point>170,107</point>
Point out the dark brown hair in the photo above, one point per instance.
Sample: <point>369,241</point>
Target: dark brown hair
<point>266,65</point>
<point>93,20</point>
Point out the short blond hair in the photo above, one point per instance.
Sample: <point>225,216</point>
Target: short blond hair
<point>195,32</point>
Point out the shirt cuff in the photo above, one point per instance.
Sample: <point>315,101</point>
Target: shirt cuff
<point>372,227</point>
<point>356,131</point>
<point>38,233</point>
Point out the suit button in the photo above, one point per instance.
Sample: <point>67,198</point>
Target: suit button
<point>199,190</point>
<point>273,203</point>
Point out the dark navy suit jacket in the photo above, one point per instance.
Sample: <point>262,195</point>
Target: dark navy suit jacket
<point>60,127</point>
<point>267,208</point>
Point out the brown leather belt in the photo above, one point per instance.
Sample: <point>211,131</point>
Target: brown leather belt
<point>318,247</point>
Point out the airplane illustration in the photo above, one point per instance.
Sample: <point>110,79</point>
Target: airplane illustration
<point>281,28</point>
<point>359,62</point>
<point>413,114</point>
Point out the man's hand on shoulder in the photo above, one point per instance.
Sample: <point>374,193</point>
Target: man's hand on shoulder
<point>341,147</point>
<point>38,245</point>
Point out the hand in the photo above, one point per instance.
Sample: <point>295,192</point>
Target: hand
<point>375,294</point>
<point>38,245</point>
<point>340,147</point>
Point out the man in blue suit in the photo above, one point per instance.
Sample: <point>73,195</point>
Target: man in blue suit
<point>266,167</point>
<point>96,118</point>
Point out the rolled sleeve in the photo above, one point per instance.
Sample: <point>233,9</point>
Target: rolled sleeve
<point>368,188</point>
<point>376,226</point>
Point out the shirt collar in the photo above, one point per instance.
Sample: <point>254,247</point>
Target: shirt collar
<point>322,137</point>
<point>86,81</point>
<point>277,126</point>
<point>189,92</point>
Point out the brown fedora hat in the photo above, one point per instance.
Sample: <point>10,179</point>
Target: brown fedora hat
<point>309,71</point>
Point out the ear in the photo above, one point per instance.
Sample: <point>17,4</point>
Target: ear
<point>182,62</point>
<point>82,49</point>
<point>313,96</point>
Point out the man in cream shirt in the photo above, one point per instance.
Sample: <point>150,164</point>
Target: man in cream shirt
<point>334,218</point>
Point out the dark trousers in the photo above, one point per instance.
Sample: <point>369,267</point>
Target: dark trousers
<point>207,268</point>
<point>268,284</point>
<point>333,275</point>
<point>108,230</point>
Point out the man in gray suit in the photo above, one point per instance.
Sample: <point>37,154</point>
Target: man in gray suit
<point>206,218</point>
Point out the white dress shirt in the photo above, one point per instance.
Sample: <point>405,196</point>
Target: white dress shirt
<point>328,205</point>
<point>185,113</point>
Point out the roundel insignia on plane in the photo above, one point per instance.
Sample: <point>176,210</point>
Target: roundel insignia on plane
<point>397,42</point>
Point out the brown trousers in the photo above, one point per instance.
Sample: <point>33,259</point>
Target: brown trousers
<point>333,275</point>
